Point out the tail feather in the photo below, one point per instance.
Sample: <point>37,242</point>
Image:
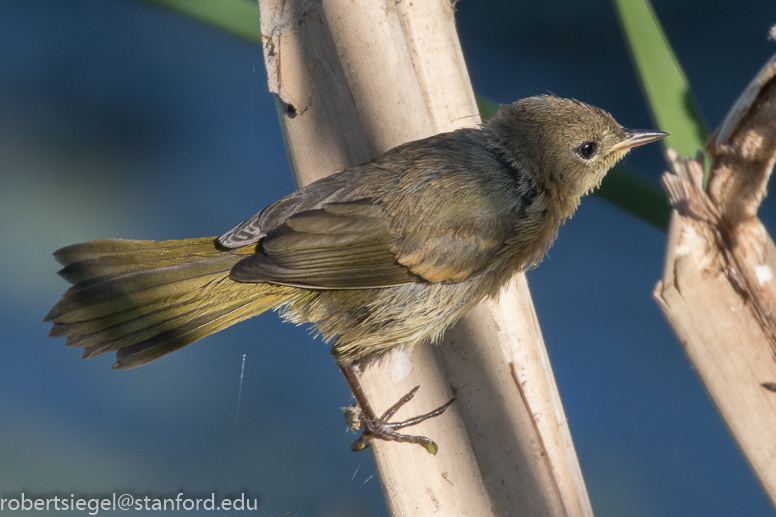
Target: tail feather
<point>108,294</point>
<point>193,330</point>
<point>126,321</point>
<point>127,249</point>
<point>144,299</point>
<point>88,261</point>
<point>108,335</point>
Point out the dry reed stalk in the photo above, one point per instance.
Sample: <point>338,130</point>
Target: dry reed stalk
<point>718,289</point>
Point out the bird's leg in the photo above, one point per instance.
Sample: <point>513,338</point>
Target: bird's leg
<point>380,428</point>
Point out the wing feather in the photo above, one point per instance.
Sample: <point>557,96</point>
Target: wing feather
<point>339,246</point>
<point>340,187</point>
<point>416,214</point>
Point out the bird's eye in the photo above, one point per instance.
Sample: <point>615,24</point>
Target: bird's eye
<point>587,150</point>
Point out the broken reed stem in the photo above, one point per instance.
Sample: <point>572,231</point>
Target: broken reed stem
<point>718,290</point>
<point>352,80</point>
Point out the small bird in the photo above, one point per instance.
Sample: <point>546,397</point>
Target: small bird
<point>389,253</point>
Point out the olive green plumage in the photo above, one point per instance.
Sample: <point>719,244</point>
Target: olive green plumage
<point>389,253</point>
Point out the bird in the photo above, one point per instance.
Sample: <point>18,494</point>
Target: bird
<point>386,254</point>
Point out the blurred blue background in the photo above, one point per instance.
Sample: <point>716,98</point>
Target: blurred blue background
<point>121,120</point>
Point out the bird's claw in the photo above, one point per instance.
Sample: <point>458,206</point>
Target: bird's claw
<point>382,429</point>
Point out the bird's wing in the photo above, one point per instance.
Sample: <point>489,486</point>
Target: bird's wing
<point>344,186</point>
<point>458,235</point>
<point>337,246</point>
<point>353,245</point>
<point>446,255</point>
<point>362,228</point>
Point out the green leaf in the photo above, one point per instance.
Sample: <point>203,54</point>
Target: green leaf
<point>237,17</point>
<point>662,79</point>
<point>487,107</point>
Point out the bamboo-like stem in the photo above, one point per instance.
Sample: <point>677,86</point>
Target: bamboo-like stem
<point>352,80</point>
<point>718,290</point>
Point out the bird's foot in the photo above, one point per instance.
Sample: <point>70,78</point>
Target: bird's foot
<point>382,429</point>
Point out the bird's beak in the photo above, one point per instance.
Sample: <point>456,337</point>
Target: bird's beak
<point>637,137</point>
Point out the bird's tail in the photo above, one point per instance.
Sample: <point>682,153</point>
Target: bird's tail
<point>144,299</point>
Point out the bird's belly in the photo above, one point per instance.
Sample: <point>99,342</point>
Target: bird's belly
<point>371,321</point>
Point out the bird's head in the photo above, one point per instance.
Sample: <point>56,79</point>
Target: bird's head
<point>566,146</point>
